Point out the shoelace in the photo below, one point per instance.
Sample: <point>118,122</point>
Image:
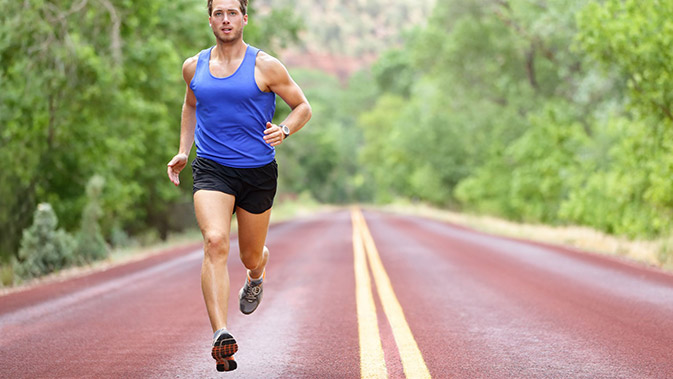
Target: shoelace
<point>252,292</point>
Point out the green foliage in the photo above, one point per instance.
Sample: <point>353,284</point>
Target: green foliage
<point>551,112</point>
<point>632,194</point>
<point>627,196</point>
<point>469,81</point>
<point>44,248</point>
<point>322,159</point>
<point>531,178</point>
<point>91,245</point>
<point>635,38</point>
<point>385,154</point>
<point>394,72</point>
<point>557,112</point>
<point>6,275</point>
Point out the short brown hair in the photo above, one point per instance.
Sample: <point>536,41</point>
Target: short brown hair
<point>244,7</point>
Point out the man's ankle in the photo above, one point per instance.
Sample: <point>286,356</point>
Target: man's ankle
<point>256,280</point>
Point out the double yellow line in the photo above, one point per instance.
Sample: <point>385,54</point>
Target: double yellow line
<point>372,361</point>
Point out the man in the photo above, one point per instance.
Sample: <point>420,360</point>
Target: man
<point>228,108</point>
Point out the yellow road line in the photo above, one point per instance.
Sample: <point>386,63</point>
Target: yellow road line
<point>412,359</point>
<point>372,361</point>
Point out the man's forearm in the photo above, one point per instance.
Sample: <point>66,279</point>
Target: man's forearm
<point>298,117</point>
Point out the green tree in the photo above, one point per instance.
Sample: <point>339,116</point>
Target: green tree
<point>478,72</point>
<point>632,193</point>
<point>634,38</point>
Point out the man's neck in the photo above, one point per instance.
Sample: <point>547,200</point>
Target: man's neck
<point>226,51</point>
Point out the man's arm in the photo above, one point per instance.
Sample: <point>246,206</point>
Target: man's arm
<point>278,80</point>
<point>187,124</point>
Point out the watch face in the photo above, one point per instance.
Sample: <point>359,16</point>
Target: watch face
<point>285,129</point>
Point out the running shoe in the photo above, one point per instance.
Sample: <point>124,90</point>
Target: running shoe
<point>224,347</point>
<point>251,295</point>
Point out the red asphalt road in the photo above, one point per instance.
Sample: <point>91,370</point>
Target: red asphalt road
<point>478,306</point>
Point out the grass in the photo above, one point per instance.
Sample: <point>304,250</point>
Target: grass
<point>655,252</point>
<point>6,274</point>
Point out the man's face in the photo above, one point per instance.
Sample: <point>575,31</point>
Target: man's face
<point>227,21</point>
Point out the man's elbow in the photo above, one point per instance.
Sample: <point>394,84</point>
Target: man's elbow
<point>309,111</point>
<point>189,106</point>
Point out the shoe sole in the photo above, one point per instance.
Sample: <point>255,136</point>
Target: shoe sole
<point>226,364</point>
<point>222,352</point>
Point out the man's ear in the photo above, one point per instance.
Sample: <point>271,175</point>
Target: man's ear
<point>245,19</point>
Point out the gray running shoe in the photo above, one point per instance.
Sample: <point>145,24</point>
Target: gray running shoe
<point>250,296</point>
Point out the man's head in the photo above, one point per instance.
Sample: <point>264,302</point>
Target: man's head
<point>243,6</point>
<point>228,19</point>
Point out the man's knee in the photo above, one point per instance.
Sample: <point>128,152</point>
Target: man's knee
<point>251,259</point>
<point>216,244</point>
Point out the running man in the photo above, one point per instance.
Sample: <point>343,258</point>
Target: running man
<point>229,103</point>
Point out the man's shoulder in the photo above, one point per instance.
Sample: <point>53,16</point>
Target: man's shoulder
<point>189,67</point>
<point>191,61</point>
<point>268,63</point>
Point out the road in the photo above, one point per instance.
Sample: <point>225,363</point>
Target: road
<point>352,294</point>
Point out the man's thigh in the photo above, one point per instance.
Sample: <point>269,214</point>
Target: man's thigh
<point>252,229</point>
<point>213,211</point>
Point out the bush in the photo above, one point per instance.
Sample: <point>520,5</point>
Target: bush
<point>44,249</point>
<point>120,239</point>
<point>6,275</point>
<point>91,245</point>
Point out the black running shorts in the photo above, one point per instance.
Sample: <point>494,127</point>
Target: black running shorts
<point>253,188</point>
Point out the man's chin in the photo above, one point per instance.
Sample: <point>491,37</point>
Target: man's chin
<point>227,38</point>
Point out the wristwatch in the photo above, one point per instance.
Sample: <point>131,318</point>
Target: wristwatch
<point>285,130</point>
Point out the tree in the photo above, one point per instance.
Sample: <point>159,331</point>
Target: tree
<point>632,194</point>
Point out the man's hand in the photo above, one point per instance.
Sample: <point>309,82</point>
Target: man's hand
<point>175,166</point>
<point>274,136</point>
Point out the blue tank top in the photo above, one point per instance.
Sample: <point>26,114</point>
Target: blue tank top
<point>231,114</point>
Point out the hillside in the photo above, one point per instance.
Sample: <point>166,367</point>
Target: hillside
<point>342,36</point>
